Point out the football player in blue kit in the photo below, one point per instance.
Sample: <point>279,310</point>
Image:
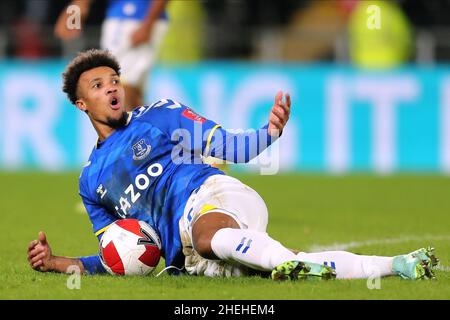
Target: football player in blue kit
<point>147,165</point>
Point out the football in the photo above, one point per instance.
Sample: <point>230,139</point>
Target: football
<point>130,247</point>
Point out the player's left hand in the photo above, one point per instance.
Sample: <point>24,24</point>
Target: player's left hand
<point>40,254</point>
<point>279,115</point>
<point>140,36</point>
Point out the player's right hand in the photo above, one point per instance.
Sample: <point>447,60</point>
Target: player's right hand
<point>40,253</point>
<point>279,115</point>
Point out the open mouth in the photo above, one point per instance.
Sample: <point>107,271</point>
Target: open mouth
<point>115,103</point>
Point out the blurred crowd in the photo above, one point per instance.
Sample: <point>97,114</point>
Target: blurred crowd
<point>273,30</point>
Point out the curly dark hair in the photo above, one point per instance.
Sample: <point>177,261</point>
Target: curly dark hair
<point>85,61</point>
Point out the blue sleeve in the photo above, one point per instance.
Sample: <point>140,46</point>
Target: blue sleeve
<point>100,220</point>
<point>238,146</point>
<point>203,136</point>
<point>92,264</point>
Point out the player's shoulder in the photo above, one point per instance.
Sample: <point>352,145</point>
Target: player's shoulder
<point>159,112</point>
<point>83,179</point>
<point>86,170</point>
<point>84,174</point>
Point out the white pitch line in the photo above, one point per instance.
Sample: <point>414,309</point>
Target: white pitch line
<point>443,268</point>
<point>355,244</point>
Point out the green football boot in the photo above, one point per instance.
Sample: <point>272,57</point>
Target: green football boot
<point>298,270</point>
<point>418,264</point>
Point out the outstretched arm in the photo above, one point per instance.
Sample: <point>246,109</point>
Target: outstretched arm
<point>194,135</point>
<point>41,258</point>
<point>243,146</point>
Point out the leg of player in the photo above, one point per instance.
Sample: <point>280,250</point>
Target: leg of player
<point>217,236</point>
<point>349,265</point>
<point>415,265</point>
<point>133,97</point>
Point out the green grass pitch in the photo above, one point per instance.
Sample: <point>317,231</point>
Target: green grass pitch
<point>360,213</point>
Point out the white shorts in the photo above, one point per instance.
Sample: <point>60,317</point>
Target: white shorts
<point>135,62</point>
<point>220,193</point>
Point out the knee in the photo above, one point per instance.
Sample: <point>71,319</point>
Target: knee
<point>204,230</point>
<point>202,235</point>
<point>202,245</point>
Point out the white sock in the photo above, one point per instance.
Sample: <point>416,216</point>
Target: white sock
<point>252,248</point>
<point>349,265</point>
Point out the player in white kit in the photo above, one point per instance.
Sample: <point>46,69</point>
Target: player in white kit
<point>133,31</point>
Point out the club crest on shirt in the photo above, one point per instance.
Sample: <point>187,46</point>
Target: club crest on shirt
<point>141,149</point>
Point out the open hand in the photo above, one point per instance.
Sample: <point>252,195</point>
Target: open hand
<point>40,254</point>
<point>279,115</point>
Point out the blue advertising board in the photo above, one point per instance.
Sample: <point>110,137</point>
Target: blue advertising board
<point>343,119</point>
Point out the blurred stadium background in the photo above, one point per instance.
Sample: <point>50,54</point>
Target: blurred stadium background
<point>369,95</point>
<point>364,99</point>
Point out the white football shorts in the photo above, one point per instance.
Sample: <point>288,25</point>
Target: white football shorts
<point>224,194</point>
<point>135,62</point>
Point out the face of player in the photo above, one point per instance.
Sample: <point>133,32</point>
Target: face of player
<point>102,96</point>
